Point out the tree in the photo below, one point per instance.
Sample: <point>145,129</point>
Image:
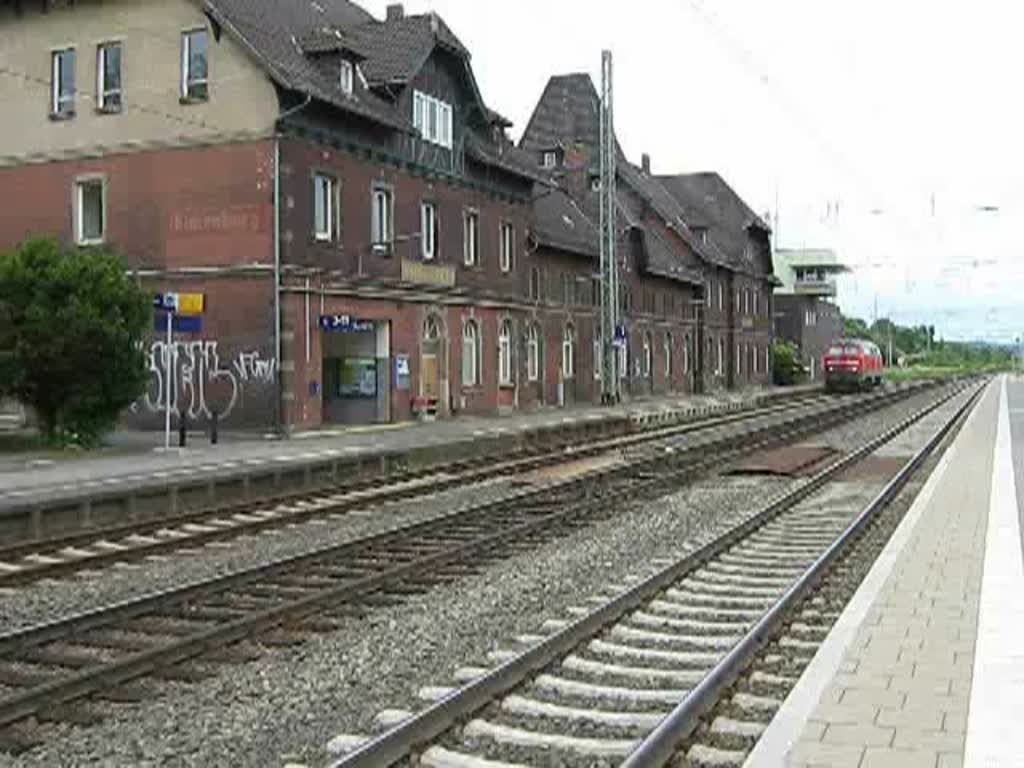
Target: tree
<point>71,327</point>
<point>784,363</point>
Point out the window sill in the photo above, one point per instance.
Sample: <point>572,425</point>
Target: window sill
<point>59,117</point>
<point>111,110</point>
<point>382,249</point>
<point>507,385</point>
<point>90,243</point>
<point>186,100</point>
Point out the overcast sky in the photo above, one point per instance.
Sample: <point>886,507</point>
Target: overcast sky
<point>879,128</point>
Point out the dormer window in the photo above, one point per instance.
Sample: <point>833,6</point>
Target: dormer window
<point>433,119</point>
<point>346,78</point>
<point>549,159</point>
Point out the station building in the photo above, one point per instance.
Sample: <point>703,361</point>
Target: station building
<point>807,315</point>
<point>369,241</point>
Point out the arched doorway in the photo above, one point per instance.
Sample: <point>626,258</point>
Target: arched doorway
<point>432,363</point>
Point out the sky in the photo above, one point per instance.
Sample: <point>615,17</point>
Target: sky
<point>887,130</point>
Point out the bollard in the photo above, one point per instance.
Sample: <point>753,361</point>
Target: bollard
<point>214,419</point>
<point>183,429</point>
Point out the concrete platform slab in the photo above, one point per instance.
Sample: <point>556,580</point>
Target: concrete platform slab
<point>925,665</point>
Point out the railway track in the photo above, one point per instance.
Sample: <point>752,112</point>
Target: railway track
<point>64,670</point>
<point>27,562</point>
<point>632,680</point>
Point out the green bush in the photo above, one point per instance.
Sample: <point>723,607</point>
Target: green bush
<point>71,327</point>
<point>784,363</point>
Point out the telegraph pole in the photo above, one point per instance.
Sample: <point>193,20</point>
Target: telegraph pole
<point>611,317</point>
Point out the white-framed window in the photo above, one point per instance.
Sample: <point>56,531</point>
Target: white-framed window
<point>708,294</point>
<point>429,228</point>
<point>431,329</point>
<point>753,356</point>
<point>569,352</point>
<point>325,207</point>
<point>471,239</point>
<point>668,356</point>
<point>90,211</point>
<point>746,301</point>
<point>810,318</point>
<point>686,354</point>
<point>62,83</point>
<point>195,65</point>
<point>382,232</point>
<point>768,359</point>
<point>432,117</point>
<point>568,284</point>
<point>598,355</point>
<point>532,353</point>
<point>648,358</point>
<point>739,359</point>
<point>721,296</point>
<point>108,77</point>
<point>757,301</point>
<point>549,159</point>
<point>346,76</point>
<point>720,370</point>
<point>505,353</point>
<point>507,245</point>
<point>622,358</point>
<point>471,358</point>
<point>535,284</point>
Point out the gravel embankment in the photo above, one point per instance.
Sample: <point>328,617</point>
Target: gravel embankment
<point>292,701</point>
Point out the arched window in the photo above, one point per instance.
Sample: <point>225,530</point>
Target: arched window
<point>471,354</point>
<point>668,356</point>
<point>505,353</point>
<point>532,353</point>
<point>569,352</point>
<point>431,329</point>
<point>648,358</point>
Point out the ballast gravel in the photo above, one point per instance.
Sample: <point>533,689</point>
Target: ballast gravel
<point>287,705</point>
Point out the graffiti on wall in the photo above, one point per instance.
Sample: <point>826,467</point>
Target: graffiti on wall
<point>200,382</point>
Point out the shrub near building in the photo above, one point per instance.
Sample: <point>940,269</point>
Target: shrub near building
<point>71,327</point>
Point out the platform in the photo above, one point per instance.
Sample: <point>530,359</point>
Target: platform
<point>925,666</point>
<point>61,496</point>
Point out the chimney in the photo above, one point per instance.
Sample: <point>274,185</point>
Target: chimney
<point>396,11</point>
<point>645,164</point>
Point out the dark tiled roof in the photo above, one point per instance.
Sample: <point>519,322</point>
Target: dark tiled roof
<point>271,29</point>
<point>506,156</point>
<point>707,197</point>
<point>329,40</point>
<point>397,48</point>
<point>568,112</point>
<point>561,224</point>
<point>300,42</point>
<point>661,258</point>
<point>667,207</point>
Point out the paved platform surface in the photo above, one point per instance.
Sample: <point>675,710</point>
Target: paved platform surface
<point>21,479</point>
<point>925,667</point>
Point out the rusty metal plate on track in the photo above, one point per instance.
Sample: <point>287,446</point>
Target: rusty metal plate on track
<point>876,468</point>
<point>784,462</point>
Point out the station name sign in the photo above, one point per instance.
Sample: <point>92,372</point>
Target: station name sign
<point>345,324</point>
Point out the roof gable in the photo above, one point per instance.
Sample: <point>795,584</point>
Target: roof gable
<point>708,198</point>
<point>398,48</point>
<point>271,30</point>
